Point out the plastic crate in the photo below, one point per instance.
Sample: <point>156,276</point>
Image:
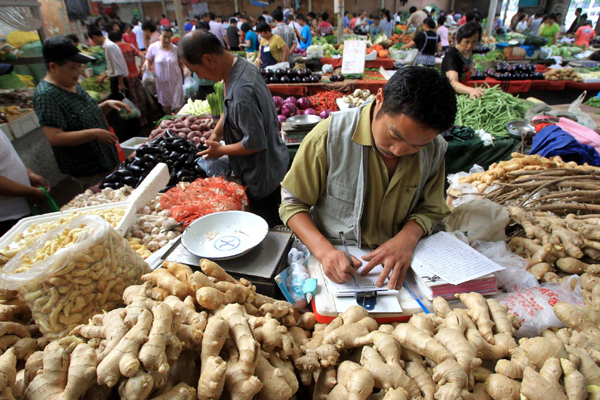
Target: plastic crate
<point>131,145</point>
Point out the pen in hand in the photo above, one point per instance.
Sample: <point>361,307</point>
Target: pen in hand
<point>343,239</point>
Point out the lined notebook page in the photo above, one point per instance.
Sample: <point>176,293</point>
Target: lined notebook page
<point>451,259</point>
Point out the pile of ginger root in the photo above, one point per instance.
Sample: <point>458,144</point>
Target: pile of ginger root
<point>187,334</point>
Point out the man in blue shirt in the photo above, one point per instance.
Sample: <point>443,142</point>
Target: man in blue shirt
<point>187,26</point>
<point>347,19</point>
<point>305,37</point>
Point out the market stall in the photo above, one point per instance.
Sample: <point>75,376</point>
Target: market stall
<point>372,80</point>
<point>380,62</point>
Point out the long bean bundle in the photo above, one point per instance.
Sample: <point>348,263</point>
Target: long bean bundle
<point>491,112</point>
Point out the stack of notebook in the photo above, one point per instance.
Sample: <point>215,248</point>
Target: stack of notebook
<point>444,266</point>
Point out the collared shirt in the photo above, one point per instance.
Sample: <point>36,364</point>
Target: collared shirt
<point>115,62</point>
<point>387,199</point>
<point>217,30</point>
<point>139,35</point>
<point>287,34</point>
<point>250,117</point>
<point>59,108</point>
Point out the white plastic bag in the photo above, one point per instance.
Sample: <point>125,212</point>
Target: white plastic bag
<point>190,87</point>
<point>134,113</point>
<point>72,273</point>
<point>582,117</point>
<point>149,81</point>
<point>479,220</point>
<point>535,307</point>
<point>515,275</point>
<point>281,65</point>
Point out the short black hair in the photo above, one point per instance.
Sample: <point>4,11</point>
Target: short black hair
<point>73,39</point>
<point>163,15</point>
<point>277,15</point>
<point>429,22</point>
<point>165,28</point>
<point>354,15</point>
<point>441,20</point>
<point>261,19</point>
<point>471,16</point>
<point>578,9</point>
<point>245,27</point>
<point>108,27</point>
<point>325,16</point>
<point>202,25</point>
<point>408,92</point>
<point>244,16</point>
<point>265,12</point>
<point>539,14</point>
<point>93,31</point>
<point>552,16</point>
<point>301,17</point>
<point>195,45</point>
<point>412,9</point>
<point>135,21</point>
<point>115,36</point>
<point>467,30</point>
<point>128,26</point>
<point>148,26</point>
<point>520,10</point>
<point>312,15</point>
<point>263,27</point>
<point>212,16</point>
<point>232,20</point>
<point>584,16</point>
<point>289,17</point>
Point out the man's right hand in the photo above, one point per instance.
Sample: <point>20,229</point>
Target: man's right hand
<point>336,266</point>
<point>105,137</point>
<point>36,195</point>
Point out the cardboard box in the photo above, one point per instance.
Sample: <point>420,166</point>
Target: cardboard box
<point>23,124</point>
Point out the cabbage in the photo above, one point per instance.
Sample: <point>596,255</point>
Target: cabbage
<point>310,111</point>
<point>278,102</point>
<point>304,103</point>
<point>94,95</point>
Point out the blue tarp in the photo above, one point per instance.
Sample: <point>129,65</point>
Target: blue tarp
<point>528,49</point>
<point>553,141</point>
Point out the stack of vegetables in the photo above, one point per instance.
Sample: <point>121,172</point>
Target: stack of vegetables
<point>290,75</point>
<point>381,51</point>
<point>326,100</point>
<point>177,152</point>
<point>515,72</point>
<point>195,108</point>
<point>291,107</point>
<point>192,128</point>
<point>215,100</point>
<point>95,89</point>
<point>490,112</point>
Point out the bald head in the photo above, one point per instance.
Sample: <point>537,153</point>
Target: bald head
<point>196,45</point>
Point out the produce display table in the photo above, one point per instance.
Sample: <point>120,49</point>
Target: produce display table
<point>462,155</point>
<point>386,63</point>
<point>528,85</point>
<point>372,81</point>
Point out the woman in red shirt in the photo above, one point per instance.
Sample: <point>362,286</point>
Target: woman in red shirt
<point>129,36</point>
<point>135,91</point>
<point>325,28</point>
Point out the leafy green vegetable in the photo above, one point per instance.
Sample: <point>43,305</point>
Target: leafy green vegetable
<point>90,84</point>
<point>594,102</point>
<point>215,100</point>
<point>94,95</point>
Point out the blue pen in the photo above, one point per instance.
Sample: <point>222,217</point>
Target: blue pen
<point>425,310</point>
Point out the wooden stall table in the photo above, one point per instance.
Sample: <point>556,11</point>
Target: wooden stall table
<point>523,86</point>
<point>386,63</point>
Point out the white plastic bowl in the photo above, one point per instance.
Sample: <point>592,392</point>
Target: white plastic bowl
<point>224,235</point>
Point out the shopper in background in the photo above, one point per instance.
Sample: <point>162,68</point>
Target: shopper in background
<point>305,38</point>
<point>361,27</point>
<point>353,21</point>
<point>164,21</point>
<point>216,28</point>
<point>427,42</point>
<point>416,18</point>
<point>442,31</point>
<point>549,29</point>
<point>311,19</point>
<point>268,18</point>
<point>517,18</point>
<point>584,34</point>
<point>250,39</point>
<point>116,67</point>
<point>233,35</point>
<point>292,23</point>
<point>151,35</point>
<point>139,34</point>
<point>72,121</point>
<point>521,24</point>
<point>168,67</point>
<point>576,21</point>
<point>325,28</point>
<point>187,26</point>
<point>273,49</point>
<point>135,91</point>
<point>346,19</point>
<point>374,29</point>
<point>129,36</point>
<point>287,33</point>
<point>458,60</point>
<point>248,125</point>
<point>450,21</point>
<point>386,25</point>
<point>535,21</point>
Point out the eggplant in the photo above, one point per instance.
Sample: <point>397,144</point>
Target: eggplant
<point>112,178</point>
<point>130,180</point>
<point>168,133</point>
<point>178,165</point>
<point>187,178</point>
<point>155,158</point>
<point>123,172</point>
<point>135,169</point>
<point>149,164</point>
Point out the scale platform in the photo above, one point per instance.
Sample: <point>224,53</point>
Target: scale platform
<point>259,266</point>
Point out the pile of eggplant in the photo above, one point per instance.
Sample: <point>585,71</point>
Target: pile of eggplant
<point>177,152</point>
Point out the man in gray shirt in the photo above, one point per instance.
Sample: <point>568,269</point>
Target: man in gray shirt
<point>286,32</point>
<point>248,125</point>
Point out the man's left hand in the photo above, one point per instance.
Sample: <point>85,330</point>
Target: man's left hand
<point>36,180</point>
<point>215,150</point>
<point>396,256</point>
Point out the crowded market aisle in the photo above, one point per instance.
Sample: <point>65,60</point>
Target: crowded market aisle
<point>253,207</point>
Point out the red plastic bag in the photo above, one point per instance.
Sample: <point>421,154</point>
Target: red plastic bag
<point>203,197</point>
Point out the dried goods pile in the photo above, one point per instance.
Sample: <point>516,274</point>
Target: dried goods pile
<point>105,196</point>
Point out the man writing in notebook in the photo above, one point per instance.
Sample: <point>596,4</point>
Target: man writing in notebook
<point>375,173</point>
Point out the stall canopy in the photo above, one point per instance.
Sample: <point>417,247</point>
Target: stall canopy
<point>19,15</point>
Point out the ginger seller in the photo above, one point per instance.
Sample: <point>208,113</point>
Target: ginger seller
<point>73,123</point>
<point>249,124</point>
<point>375,173</point>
